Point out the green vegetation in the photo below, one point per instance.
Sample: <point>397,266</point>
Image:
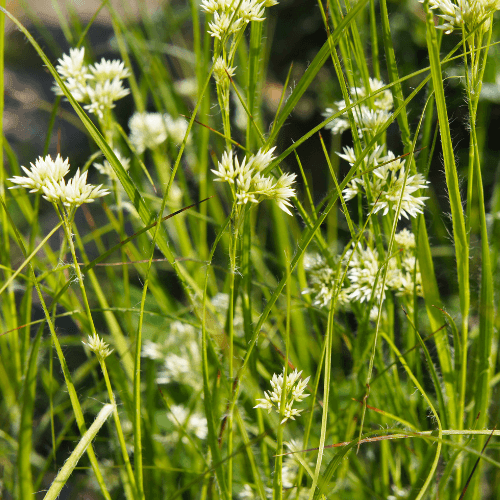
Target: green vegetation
<point>264,279</point>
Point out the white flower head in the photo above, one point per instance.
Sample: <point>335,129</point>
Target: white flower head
<point>230,169</point>
<point>282,192</point>
<point>109,70</point>
<point>211,6</point>
<point>262,159</point>
<point>105,167</point>
<point>294,391</point>
<point>371,120</point>
<point>388,195</point>
<point>104,94</point>
<point>75,192</point>
<point>99,86</point>
<point>151,350</point>
<point>405,239</point>
<point>222,72</point>
<point>251,10</point>
<point>339,124</point>
<point>43,171</point>
<point>147,130</point>
<point>194,423</point>
<point>466,13</point>
<point>224,24</point>
<point>98,347</point>
<point>367,118</point>
<point>71,66</point>
<point>176,128</point>
<point>250,185</point>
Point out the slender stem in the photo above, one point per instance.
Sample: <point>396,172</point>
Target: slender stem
<point>68,222</point>
<point>232,272</point>
<point>121,438</point>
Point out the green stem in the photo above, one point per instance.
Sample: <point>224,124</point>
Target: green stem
<point>232,272</point>
<point>121,438</point>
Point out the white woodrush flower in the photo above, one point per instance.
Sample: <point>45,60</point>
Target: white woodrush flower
<point>75,192</point>
<point>228,169</point>
<point>250,185</point>
<point>369,116</point>
<point>222,72</point>
<point>388,194</point>
<point>78,89</point>
<point>224,24</point>
<point>194,423</point>
<point>251,10</point>
<point>98,347</point>
<point>371,120</point>
<point>466,13</point>
<point>364,277</point>
<point>175,367</point>
<point>176,128</point>
<point>105,167</point>
<point>151,350</point>
<point>282,191</point>
<point>262,159</point>
<point>180,356</point>
<point>294,392</point>
<point>71,66</point>
<point>405,239</point>
<point>212,6</point>
<point>246,493</point>
<point>109,70</point>
<point>322,278</point>
<point>147,130</point>
<point>103,96</point>
<point>357,184</point>
<point>339,124</point>
<point>99,86</point>
<point>44,170</point>
<point>386,183</point>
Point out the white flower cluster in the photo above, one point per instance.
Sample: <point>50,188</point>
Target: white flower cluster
<point>231,16</point>
<point>364,274</point>
<point>368,117</point>
<point>99,85</point>
<point>323,281</point>
<point>222,72</point>
<point>149,130</point>
<point>179,354</point>
<point>106,169</point>
<point>249,184</point>
<point>465,13</point>
<point>194,423</point>
<point>294,391</point>
<point>98,347</point>
<point>46,176</point>
<point>386,183</point>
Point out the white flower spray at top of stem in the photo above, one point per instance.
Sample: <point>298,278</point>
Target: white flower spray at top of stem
<point>464,13</point>
<point>368,117</point>
<point>98,86</point>
<point>249,185</point>
<point>46,176</point>
<point>294,392</point>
